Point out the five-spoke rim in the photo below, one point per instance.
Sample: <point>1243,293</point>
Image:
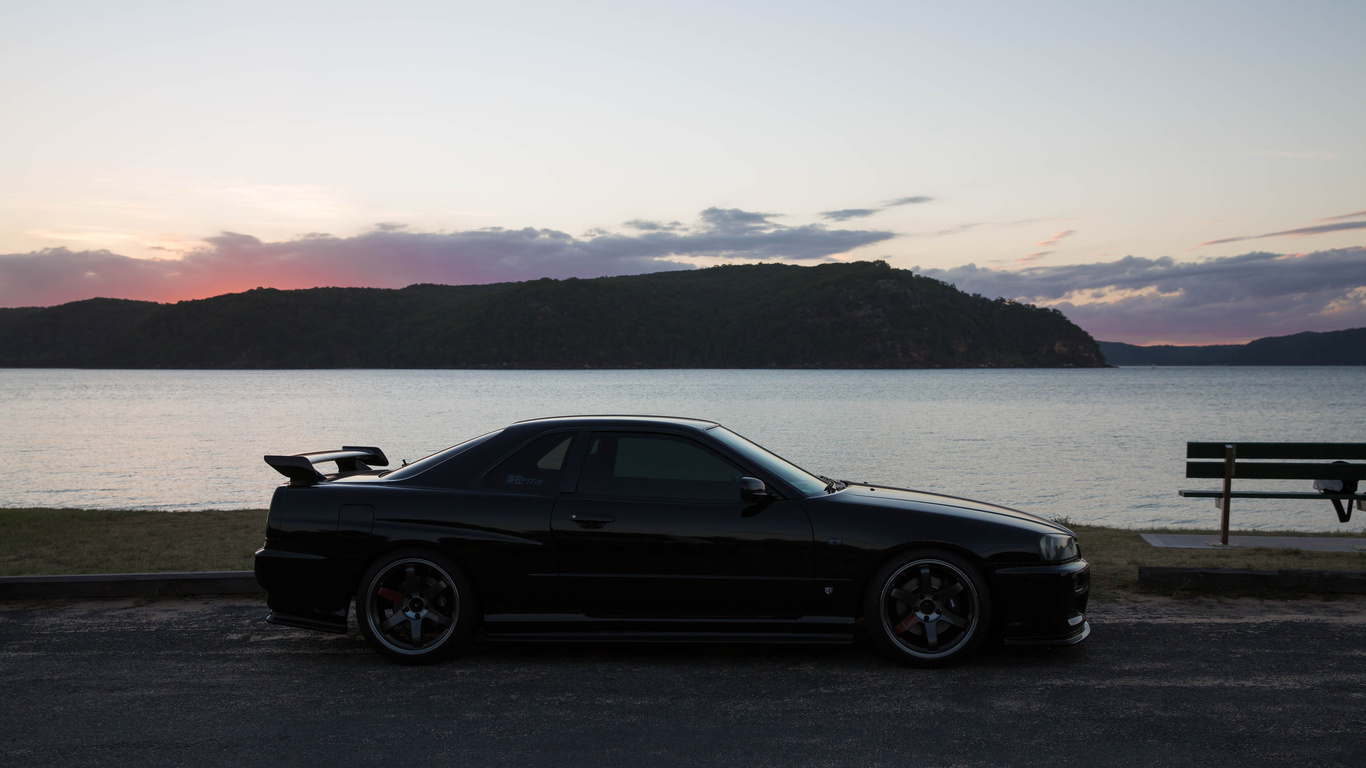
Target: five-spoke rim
<point>412,605</point>
<point>929,608</point>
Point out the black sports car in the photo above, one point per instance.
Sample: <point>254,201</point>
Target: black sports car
<point>648,528</point>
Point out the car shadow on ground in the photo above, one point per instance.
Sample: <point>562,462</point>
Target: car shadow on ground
<point>859,654</point>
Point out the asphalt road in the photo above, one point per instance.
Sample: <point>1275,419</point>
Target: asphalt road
<point>208,682</point>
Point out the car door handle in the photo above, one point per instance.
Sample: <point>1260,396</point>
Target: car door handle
<point>589,520</point>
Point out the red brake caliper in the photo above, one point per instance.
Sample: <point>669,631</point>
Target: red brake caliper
<point>907,624</point>
<point>397,599</point>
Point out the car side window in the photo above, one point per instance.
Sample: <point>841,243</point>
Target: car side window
<point>536,468</point>
<point>643,465</point>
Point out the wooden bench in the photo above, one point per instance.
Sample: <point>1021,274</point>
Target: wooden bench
<point>1319,462</point>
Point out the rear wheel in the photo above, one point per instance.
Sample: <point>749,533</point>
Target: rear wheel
<point>927,608</point>
<point>415,607</point>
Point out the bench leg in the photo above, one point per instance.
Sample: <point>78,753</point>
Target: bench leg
<point>1229,455</point>
<point>1344,513</point>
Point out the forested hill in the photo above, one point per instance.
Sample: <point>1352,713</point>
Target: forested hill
<point>857,315</point>
<point>1331,348</point>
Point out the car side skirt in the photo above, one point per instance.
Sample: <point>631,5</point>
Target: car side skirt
<point>577,627</point>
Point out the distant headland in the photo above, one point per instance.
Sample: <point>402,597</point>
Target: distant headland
<point>846,315</point>
<point>1346,347</point>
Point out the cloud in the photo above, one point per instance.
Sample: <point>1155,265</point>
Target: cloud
<point>1356,215</point>
<point>960,228</point>
<point>645,225</point>
<point>736,221</point>
<point>389,256</point>
<point>1223,240</point>
<point>1231,298</point>
<point>1056,237</point>
<point>846,214</point>
<point>849,213</point>
<point>913,200</point>
<point>1301,232</point>
<point>1319,229</point>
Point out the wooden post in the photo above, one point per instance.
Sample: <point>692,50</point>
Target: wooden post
<point>1229,454</point>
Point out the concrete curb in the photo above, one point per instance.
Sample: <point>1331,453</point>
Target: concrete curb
<point>1241,579</point>
<point>130,584</point>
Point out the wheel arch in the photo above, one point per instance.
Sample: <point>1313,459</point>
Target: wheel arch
<point>391,547</point>
<point>888,555</point>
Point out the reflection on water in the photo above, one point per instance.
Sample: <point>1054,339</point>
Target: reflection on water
<point>1098,446</point>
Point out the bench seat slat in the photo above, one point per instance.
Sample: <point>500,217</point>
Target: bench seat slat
<point>1269,471</point>
<point>1274,495</point>
<point>1301,451</point>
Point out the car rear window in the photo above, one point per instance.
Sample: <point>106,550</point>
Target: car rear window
<point>415,468</point>
<point>538,467</point>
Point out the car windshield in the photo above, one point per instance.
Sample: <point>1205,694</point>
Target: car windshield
<point>795,476</point>
<point>426,463</point>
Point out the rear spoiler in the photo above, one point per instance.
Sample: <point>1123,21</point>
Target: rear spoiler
<point>351,458</point>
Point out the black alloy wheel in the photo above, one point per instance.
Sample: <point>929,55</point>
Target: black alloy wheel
<point>415,607</point>
<point>928,608</point>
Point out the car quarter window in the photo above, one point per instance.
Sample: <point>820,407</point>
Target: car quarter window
<point>644,465</point>
<point>536,468</point>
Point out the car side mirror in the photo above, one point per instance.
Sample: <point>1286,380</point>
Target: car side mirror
<point>753,489</point>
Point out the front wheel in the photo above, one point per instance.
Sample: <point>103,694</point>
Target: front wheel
<point>415,607</point>
<point>928,608</point>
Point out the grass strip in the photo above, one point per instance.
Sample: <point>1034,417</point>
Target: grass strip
<point>1116,553</point>
<point>40,542</point>
<point>56,541</point>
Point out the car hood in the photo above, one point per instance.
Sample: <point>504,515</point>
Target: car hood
<point>923,500</point>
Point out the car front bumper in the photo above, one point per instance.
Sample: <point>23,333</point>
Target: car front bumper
<point>1043,604</point>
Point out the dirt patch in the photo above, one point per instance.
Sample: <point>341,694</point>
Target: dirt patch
<point>1344,609</point>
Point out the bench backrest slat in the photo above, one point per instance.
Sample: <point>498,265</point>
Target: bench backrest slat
<point>1303,451</point>
<point>1269,471</point>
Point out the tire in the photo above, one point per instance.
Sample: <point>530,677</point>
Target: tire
<point>415,607</point>
<point>927,625</point>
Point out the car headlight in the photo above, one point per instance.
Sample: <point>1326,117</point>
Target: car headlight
<point>1058,546</point>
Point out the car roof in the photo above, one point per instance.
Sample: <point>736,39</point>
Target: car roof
<point>606,420</point>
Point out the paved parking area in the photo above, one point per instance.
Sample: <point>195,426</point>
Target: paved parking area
<point>1211,541</point>
<point>208,682</point>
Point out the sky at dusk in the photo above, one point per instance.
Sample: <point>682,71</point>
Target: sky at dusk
<point>1161,172</point>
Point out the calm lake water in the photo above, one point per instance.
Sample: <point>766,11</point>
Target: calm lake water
<point>1097,446</point>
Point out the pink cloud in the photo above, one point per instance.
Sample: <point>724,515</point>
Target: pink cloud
<point>391,257</point>
<point>1056,237</point>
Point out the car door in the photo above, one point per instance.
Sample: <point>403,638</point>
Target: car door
<point>655,528</point>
